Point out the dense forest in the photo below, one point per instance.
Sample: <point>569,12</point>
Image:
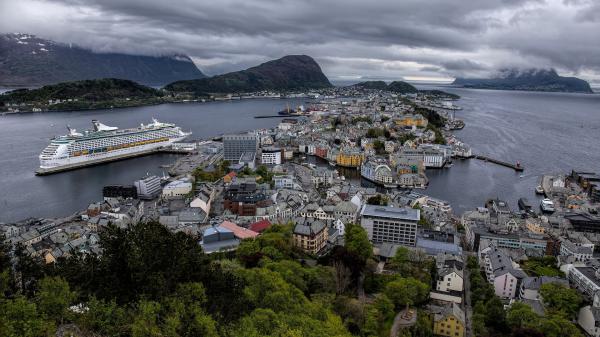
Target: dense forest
<point>151,282</point>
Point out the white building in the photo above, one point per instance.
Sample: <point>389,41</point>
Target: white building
<point>502,273</point>
<point>148,187</point>
<point>580,252</point>
<point>585,279</point>
<point>271,156</point>
<point>376,172</point>
<point>177,188</point>
<point>449,279</point>
<point>433,159</point>
<point>286,181</point>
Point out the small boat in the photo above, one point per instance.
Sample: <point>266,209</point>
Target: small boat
<point>332,164</point>
<point>539,189</point>
<point>547,206</point>
<point>524,204</point>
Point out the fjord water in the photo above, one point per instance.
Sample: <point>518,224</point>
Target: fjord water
<point>546,132</point>
<point>23,136</point>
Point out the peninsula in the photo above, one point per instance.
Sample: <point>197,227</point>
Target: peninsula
<point>528,80</point>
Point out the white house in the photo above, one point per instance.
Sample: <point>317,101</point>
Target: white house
<point>285,181</point>
<point>449,279</point>
<point>502,273</point>
<point>580,252</point>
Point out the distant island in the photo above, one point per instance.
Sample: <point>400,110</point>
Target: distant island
<point>82,95</point>
<point>292,72</point>
<point>29,61</point>
<point>401,87</point>
<point>528,80</point>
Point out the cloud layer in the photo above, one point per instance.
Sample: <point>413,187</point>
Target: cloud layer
<point>386,39</point>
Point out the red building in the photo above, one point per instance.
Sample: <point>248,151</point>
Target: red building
<point>321,152</point>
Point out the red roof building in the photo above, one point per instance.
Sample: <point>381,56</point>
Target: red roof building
<point>239,232</point>
<point>260,226</point>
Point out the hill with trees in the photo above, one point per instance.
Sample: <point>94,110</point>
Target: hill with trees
<point>290,72</point>
<point>87,94</point>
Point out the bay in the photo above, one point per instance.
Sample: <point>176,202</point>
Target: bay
<point>23,136</point>
<point>546,132</point>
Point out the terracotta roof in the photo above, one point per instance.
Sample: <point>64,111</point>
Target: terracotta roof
<point>239,232</point>
<point>260,226</point>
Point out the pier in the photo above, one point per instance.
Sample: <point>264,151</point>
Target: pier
<point>279,116</point>
<point>517,167</point>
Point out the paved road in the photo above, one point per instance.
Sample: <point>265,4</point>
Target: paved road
<point>396,326</point>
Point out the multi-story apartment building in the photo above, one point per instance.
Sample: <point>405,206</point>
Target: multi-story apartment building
<point>310,234</point>
<point>236,145</point>
<point>390,224</point>
<point>271,156</point>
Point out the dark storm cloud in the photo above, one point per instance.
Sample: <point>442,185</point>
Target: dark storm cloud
<point>377,39</point>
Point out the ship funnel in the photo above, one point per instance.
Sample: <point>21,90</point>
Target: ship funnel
<point>101,127</point>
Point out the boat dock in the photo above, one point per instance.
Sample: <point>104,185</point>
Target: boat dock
<point>279,116</point>
<point>517,167</point>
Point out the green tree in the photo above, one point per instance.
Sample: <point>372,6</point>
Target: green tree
<point>105,318</point>
<point>406,291</point>
<point>20,318</point>
<point>561,299</point>
<point>357,242</point>
<point>559,326</point>
<point>378,199</point>
<point>54,298</point>
<point>521,315</point>
<point>145,322</point>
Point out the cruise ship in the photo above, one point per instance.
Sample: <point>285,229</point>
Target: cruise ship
<point>106,143</point>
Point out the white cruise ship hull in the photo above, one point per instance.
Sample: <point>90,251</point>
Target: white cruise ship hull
<point>55,165</point>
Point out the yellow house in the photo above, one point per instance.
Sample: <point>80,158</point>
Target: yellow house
<point>411,120</point>
<point>310,235</point>
<point>350,158</point>
<point>449,321</point>
<point>535,226</point>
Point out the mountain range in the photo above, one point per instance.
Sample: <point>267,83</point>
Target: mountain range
<point>290,72</point>
<point>29,61</point>
<point>527,79</point>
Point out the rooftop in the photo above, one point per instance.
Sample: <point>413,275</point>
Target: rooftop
<point>398,213</point>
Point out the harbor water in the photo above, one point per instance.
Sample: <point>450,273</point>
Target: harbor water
<point>546,132</point>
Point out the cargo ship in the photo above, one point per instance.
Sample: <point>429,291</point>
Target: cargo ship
<point>106,143</point>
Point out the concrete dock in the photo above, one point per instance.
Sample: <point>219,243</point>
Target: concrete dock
<point>517,167</point>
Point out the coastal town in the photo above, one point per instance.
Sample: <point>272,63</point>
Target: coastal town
<point>362,158</point>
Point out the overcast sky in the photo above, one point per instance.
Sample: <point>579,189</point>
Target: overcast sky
<point>387,39</point>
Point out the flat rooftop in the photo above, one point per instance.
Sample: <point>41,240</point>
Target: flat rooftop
<point>397,213</point>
